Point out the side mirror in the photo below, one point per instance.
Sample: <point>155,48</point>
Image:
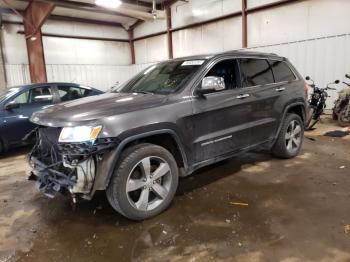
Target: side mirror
<point>336,82</point>
<point>347,76</point>
<point>11,105</point>
<point>212,84</point>
<point>307,78</point>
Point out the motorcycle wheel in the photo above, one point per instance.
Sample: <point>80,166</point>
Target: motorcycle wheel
<point>343,121</point>
<point>334,115</point>
<point>310,114</point>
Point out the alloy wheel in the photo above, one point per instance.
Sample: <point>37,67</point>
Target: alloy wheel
<point>148,183</point>
<point>293,136</point>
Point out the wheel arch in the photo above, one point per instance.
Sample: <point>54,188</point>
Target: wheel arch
<point>298,108</point>
<point>166,138</point>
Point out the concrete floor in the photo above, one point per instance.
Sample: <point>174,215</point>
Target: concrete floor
<point>297,210</point>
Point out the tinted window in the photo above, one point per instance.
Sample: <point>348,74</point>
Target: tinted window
<point>255,72</point>
<point>68,93</point>
<point>227,70</point>
<point>281,71</point>
<point>37,95</point>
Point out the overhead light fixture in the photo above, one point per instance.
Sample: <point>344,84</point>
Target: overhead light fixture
<point>108,3</point>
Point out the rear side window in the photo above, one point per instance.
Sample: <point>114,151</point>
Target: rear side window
<point>281,71</point>
<point>68,93</point>
<point>255,72</point>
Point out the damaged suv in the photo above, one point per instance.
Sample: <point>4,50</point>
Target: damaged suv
<point>166,122</point>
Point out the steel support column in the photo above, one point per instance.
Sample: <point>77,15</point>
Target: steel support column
<point>168,30</point>
<point>34,17</point>
<point>131,44</point>
<point>244,24</point>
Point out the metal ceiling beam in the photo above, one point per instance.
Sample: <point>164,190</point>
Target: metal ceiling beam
<point>75,5</point>
<point>64,18</point>
<point>83,20</point>
<point>142,3</point>
<point>137,23</point>
<point>81,37</point>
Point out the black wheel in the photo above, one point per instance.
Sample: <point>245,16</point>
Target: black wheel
<point>309,118</point>
<point>290,138</point>
<point>334,115</point>
<point>343,121</point>
<point>144,182</point>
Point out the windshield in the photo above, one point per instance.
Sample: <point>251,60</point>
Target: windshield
<point>7,93</point>
<point>163,78</point>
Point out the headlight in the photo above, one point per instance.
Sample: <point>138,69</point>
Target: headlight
<point>79,133</point>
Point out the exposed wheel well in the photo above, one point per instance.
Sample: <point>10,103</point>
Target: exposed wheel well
<point>164,140</point>
<point>298,110</point>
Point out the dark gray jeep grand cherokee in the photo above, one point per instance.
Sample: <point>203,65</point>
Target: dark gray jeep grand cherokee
<point>166,122</point>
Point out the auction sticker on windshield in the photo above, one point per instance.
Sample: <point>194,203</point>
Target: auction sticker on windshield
<point>192,62</point>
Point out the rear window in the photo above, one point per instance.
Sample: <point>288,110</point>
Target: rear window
<point>282,71</point>
<point>255,72</point>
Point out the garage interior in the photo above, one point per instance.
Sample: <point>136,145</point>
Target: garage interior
<point>250,208</point>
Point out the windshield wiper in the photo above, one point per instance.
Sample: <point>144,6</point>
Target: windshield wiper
<point>142,92</point>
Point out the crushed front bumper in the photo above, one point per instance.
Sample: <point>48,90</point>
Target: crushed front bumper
<point>67,167</point>
<point>49,180</point>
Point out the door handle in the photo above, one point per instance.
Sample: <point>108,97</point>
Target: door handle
<point>243,96</point>
<point>280,89</point>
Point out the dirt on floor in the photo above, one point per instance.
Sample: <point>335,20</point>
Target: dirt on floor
<point>251,208</point>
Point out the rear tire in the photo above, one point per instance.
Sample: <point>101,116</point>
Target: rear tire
<point>334,115</point>
<point>144,182</point>
<point>290,138</point>
<point>341,118</point>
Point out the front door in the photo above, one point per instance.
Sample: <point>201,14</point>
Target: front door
<point>16,122</point>
<point>221,119</point>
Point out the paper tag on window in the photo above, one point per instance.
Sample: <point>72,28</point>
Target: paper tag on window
<point>192,62</point>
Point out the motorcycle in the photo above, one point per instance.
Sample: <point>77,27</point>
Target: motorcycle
<point>317,103</point>
<point>341,109</point>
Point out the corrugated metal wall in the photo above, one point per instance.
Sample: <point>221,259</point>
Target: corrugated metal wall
<point>323,59</point>
<point>99,76</point>
<point>17,74</point>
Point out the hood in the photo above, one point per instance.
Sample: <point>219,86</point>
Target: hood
<point>91,109</point>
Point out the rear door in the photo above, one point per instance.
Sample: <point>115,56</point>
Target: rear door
<point>257,76</point>
<point>72,92</point>
<point>286,83</point>
<point>221,119</point>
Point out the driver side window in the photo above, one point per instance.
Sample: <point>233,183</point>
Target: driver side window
<point>228,71</point>
<point>22,98</point>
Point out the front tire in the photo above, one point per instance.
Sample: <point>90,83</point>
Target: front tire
<point>144,182</point>
<point>290,138</point>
